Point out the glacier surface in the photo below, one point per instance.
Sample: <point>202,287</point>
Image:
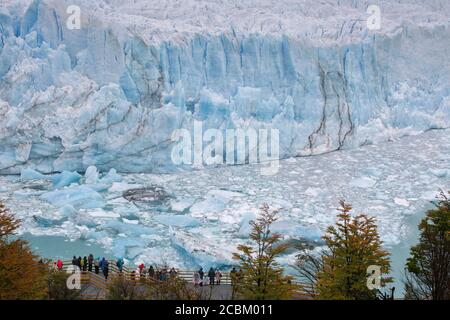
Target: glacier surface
<point>111,93</point>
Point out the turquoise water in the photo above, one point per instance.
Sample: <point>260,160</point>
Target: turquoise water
<point>56,247</point>
<point>400,252</point>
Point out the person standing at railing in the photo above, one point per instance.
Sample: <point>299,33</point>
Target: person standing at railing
<point>239,276</point>
<point>211,276</point>
<point>201,274</point>
<point>233,276</point>
<point>120,264</point>
<point>97,265</point>
<point>151,272</point>
<point>74,261</point>
<point>142,269</point>
<point>102,263</point>
<point>218,275</point>
<point>173,273</point>
<point>105,268</point>
<point>196,279</point>
<point>85,262</point>
<point>59,264</point>
<point>164,274</point>
<point>90,262</point>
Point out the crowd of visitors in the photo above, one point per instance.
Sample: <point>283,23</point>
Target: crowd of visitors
<point>97,265</point>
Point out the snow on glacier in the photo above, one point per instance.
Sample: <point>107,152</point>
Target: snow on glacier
<point>112,93</point>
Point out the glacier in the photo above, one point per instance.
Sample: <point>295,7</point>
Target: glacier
<point>111,93</point>
<point>86,118</point>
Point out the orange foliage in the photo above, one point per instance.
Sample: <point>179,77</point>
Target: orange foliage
<point>22,275</point>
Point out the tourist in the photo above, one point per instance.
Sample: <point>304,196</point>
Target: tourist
<point>102,263</point>
<point>239,276</point>
<point>201,274</point>
<point>218,275</point>
<point>173,273</point>
<point>151,272</point>
<point>137,272</point>
<point>85,262</point>
<point>74,261</point>
<point>164,274</point>
<point>211,275</point>
<point>105,269</point>
<point>120,264</point>
<point>141,269</point>
<point>233,277</point>
<point>196,279</point>
<point>59,264</point>
<point>90,262</point>
<point>97,265</point>
<point>79,262</point>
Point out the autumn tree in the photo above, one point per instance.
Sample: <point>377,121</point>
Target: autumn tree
<point>57,287</point>
<point>354,245</point>
<point>308,265</point>
<point>22,275</point>
<point>122,287</point>
<point>428,267</point>
<point>261,277</point>
<point>174,288</point>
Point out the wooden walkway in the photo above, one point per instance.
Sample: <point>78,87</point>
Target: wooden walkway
<point>95,286</point>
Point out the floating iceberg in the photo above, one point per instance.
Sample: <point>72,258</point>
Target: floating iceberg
<point>77,197</point>
<point>68,211</point>
<point>60,180</point>
<point>91,175</point>
<point>180,221</point>
<point>30,175</point>
<point>111,177</point>
<point>65,178</point>
<point>245,227</point>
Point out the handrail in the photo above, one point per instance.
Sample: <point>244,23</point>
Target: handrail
<point>187,275</point>
<point>100,282</point>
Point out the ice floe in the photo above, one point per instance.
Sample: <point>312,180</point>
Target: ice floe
<point>193,218</point>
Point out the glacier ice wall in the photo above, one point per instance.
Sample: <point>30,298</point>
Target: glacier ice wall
<point>107,96</point>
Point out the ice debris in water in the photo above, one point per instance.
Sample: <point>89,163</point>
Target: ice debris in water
<point>91,175</point>
<point>78,197</point>
<point>65,178</point>
<point>28,174</point>
<point>177,221</point>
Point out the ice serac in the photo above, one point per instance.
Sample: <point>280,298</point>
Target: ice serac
<point>111,93</point>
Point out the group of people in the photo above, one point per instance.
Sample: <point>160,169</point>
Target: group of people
<point>90,264</point>
<point>97,265</point>
<point>162,274</point>
<point>215,276</point>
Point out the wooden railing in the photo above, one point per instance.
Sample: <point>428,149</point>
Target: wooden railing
<point>99,281</point>
<point>187,275</point>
